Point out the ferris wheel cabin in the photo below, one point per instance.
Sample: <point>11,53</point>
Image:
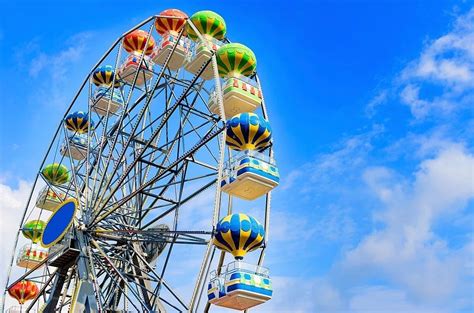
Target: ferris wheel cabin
<point>31,255</point>
<point>107,100</point>
<point>76,147</point>
<point>250,175</point>
<point>197,57</point>
<point>239,95</point>
<point>240,286</point>
<point>48,199</point>
<point>168,24</point>
<point>163,50</point>
<point>140,45</point>
<point>129,68</point>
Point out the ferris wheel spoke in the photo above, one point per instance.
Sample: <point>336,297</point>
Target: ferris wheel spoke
<point>131,179</point>
<point>205,145</point>
<point>187,179</point>
<point>107,176</point>
<point>118,284</point>
<point>106,286</point>
<point>147,236</point>
<point>156,132</point>
<point>167,111</point>
<point>171,305</point>
<point>209,136</point>
<point>135,265</point>
<point>163,188</point>
<point>110,265</point>
<point>139,118</point>
<point>96,164</point>
<point>34,268</point>
<point>179,137</point>
<point>75,178</point>
<point>185,200</point>
<point>42,291</point>
<point>140,189</point>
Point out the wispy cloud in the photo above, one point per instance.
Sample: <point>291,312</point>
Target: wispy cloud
<point>344,160</point>
<point>407,251</point>
<point>449,58</point>
<point>56,63</point>
<point>447,63</point>
<point>411,244</point>
<point>376,101</point>
<point>54,68</point>
<point>403,261</point>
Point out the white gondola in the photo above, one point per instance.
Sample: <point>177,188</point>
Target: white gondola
<point>198,56</point>
<point>239,95</point>
<point>107,101</point>
<point>31,255</point>
<point>166,46</point>
<point>49,199</point>
<point>129,68</point>
<point>76,147</point>
<point>240,286</point>
<point>249,175</point>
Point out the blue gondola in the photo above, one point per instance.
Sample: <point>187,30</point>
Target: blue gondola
<point>240,286</point>
<point>76,147</point>
<point>250,175</point>
<point>105,95</point>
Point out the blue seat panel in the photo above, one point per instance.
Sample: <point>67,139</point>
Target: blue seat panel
<point>240,286</point>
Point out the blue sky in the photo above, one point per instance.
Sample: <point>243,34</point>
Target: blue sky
<point>371,106</point>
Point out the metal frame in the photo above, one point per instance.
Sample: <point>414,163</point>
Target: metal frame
<point>138,170</point>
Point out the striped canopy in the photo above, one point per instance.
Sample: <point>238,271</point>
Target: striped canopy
<point>238,234</point>
<point>33,230</point>
<point>78,122</point>
<point>104,76</point>
<point>208,23</point>
<point>136,42</point>
<point>23,291</point>
<point>56,174</point>
<point>235,59</point>
<point>170,21</point>
<point>248,131</point>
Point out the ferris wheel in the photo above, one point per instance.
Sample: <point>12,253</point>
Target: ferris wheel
<point>155,127</point>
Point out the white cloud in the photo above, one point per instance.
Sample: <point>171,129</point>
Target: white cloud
<point>410,95</point>
<point>403,262</point>
<point>416,255</point>
<point>446,62</point>
<point>53,68</point>
<point>440,81</point>
<point>448,59</point>
<point>376,101</point>
<point>12,205</point>
<point>292,294</point>
<point>422,146</point>
<point>407,251</point>
<point>56,63</point>
<point>369,299</point>
<point>344,161</point>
